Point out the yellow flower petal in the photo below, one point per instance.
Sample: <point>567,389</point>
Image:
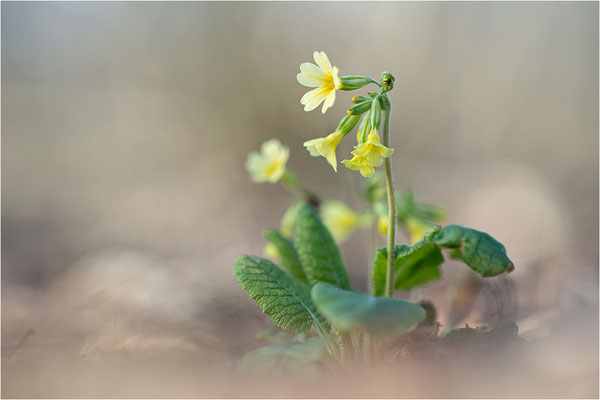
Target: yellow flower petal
<point>329,100</point>
<point>361,164</point>
<point>366,171</point>
<point>312,99</point>
<point>311,75</point>
<point>323,61</point>
<point>337,82</point>
<point>311,146</point>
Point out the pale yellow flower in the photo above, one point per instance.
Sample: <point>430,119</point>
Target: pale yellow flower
<point>361,164</point>
<point>271,251</point>
<point>382,224</point>
<point>416,228</point>
<point>324,78</point>
<point>373,150</point>
<point>269,164</point>
<point>341,220</point>
<point>325,147</point>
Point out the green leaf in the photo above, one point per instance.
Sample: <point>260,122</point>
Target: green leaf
<point>281,296</point>
<point>413,266</point>
<point>478,250</point>
<point>287,252</point>
<point>294,356</point>
<point>382,316</point>
<point>318,252</point>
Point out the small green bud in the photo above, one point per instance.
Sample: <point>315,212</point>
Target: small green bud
<point>347,123</point>
<point>354,99</point>
<point>360,108</point>
<point>355,82</point>
<point>387,82</point>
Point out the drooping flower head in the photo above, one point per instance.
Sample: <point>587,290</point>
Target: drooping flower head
<point>269,164</point>
<point>368,155</point>
<point>324,78</point>
<point>373,150</point>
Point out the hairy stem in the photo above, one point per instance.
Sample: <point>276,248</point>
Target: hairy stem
<point>391,234</point>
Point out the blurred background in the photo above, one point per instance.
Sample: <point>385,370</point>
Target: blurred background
<point>125,130</point>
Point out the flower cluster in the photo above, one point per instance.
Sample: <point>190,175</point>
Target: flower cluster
<point>369,152</point>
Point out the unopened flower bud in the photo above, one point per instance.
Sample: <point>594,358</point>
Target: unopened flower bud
<point>387,82</point>
<point>360,108</point>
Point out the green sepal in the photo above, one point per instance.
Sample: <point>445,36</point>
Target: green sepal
<point>360,99</point>
<point>290,261</point>
<point>280,295</point>
<point>318,252</point>
<point>478,250</point>
<point>363,128</point>
<point>347,123</point>
<point>355,82</point>
<point>375,113</point>
<point>381,316</point>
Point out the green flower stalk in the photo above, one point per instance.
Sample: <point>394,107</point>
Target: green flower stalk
<point>391,234</point>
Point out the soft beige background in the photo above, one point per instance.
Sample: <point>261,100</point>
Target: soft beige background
<point>125,128</point>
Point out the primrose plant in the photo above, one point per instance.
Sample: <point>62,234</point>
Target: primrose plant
<point>310,293</point>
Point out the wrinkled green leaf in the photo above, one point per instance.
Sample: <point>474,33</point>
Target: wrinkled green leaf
<point>382,316</point>
<point>280,295</point>
<point>318,252</point>
<point>287,253</point>
<point>478,250</point>
<point>294,356</point>
<point>413,266</point>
